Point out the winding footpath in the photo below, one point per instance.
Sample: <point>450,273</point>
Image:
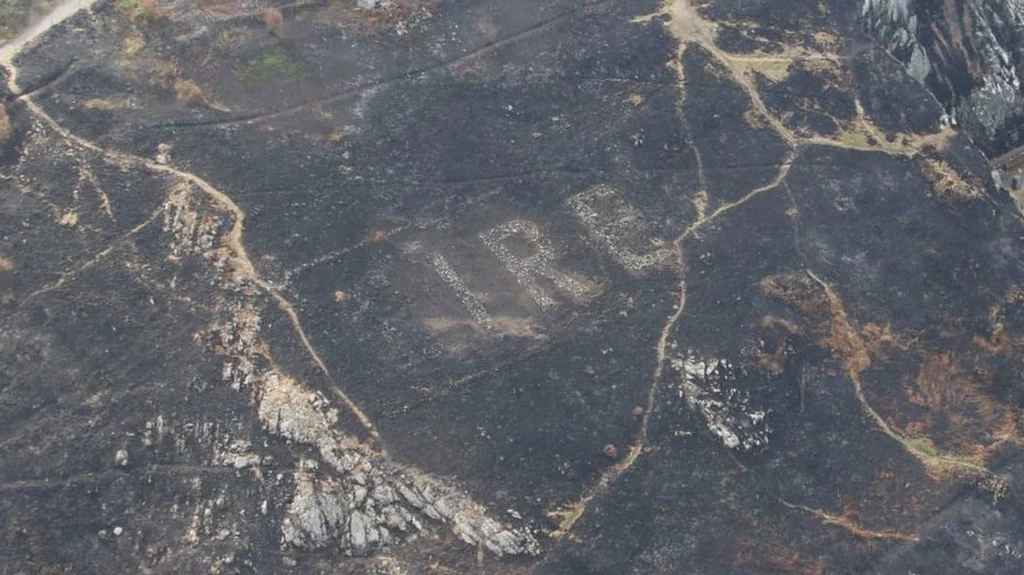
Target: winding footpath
<point>62,12</point>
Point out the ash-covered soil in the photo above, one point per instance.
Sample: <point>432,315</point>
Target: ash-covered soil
<point>472,286</point>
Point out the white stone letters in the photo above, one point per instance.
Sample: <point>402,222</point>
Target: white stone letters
<point>612,224</point>
<point>616,227</point>
<point>469,299</point>
<point>539,264</point>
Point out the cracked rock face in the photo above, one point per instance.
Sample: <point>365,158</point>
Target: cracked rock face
<point>374,508</point>
<point>970,54</point>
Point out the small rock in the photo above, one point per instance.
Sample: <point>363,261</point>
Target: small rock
<point>118,531</point>
<point>359,494</point>
<point>610,451</point>
<point>383,494</point>
<point>121,458</point>
<point>243,461</point>
<point>366,4</point>
<point>357,530</point>
<point>410,496</point>
<point>638,411</point>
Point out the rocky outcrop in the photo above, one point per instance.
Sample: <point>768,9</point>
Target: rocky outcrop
<point>968,53</point>
<point>708,386</point>
<point>364,500</point>
<point>350,495</point>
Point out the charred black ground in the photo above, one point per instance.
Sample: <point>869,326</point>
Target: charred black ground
<point>533,287</point>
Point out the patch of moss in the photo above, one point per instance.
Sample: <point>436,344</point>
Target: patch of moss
<point>271,65</point>
<point>922,447</point>
<point>140,10</point>
<point>132,7</point>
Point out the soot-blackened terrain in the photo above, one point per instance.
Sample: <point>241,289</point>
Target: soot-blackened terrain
<point>552,286</point>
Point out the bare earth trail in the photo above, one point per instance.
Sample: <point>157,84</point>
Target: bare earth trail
<point>60,13</point>
<point>367,228</point>
<point>685,24</point>
<point>233,239</point>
